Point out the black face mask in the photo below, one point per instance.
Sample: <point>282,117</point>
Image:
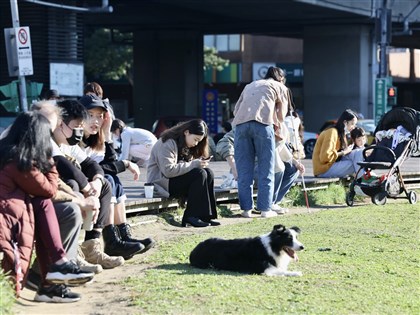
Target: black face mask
<point>76,136</point>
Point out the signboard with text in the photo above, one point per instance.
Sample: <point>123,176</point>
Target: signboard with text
<point>67,78</point>
<point>209,109</point>
<point>380,98</point>
<point>19,51</point>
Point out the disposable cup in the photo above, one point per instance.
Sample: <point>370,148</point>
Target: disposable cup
<point>88,221</point>
<point>148,190</point>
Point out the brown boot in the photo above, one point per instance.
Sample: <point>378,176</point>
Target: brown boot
<point>84,265</point>
<point>94,254</point>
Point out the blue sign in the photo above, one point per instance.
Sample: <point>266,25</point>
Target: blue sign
<point>209,109</point>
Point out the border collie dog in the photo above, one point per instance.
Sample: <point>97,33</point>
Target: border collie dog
<point>268,254</point>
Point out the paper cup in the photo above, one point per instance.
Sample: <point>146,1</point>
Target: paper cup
<point>148,190</point>
<point>88,221</point>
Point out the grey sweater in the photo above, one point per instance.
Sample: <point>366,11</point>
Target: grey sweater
<point>163,164</point>
<point>225,147</point>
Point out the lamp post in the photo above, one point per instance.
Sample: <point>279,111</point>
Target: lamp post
<point>21,78</point>
<point>385,38</point>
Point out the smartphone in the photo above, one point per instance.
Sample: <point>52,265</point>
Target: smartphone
<point>207,159</point>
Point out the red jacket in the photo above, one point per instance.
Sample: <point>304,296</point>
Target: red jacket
<point>16,212</point>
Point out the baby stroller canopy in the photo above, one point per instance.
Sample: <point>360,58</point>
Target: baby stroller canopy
<point>407,117</point>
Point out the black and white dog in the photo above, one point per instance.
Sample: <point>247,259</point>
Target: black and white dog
<point>268,254</point>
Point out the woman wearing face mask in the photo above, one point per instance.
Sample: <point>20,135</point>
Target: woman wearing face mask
<point>332,156</point>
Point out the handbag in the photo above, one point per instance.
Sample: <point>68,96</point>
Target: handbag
<point>281,154</point>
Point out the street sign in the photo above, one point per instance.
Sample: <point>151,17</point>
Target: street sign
<point>380,98</point>
<point>209,108</point>
<point>19,51</point>
<point>24,50</point>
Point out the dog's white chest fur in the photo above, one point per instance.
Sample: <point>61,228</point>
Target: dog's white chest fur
<point>282,261</point>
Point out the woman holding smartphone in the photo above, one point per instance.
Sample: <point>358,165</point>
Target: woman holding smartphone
<point>333,156</point>
<point>178,168</point>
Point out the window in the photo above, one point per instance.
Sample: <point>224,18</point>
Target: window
<point>223,42</point>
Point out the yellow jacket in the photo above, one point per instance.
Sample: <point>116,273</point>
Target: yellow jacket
<point>326,151</point>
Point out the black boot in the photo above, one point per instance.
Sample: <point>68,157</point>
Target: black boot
<point>114,246</point>
<point>125,234</point>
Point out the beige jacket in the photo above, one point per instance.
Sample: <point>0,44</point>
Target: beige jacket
<point>265,101</point>
<point>163,164</point>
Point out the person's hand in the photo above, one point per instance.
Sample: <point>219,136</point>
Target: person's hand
<point>90,203</point>
<point>96,187</point>
<point>348,150</point>
<point>300,167</point>
<point>234,172</point>
<point>231,161</point>
<point>134,168</point>
<point>203,163</point>
<point>106,126</point>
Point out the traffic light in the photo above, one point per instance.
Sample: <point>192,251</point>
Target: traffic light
<point>392,96</point>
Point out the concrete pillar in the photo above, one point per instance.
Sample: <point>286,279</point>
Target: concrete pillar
<point>337,72</point>
<point>168,75</point>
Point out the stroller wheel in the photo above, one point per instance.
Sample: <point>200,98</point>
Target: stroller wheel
<point>350,198</point>
<point>412,197</point>
<point>379,198</point>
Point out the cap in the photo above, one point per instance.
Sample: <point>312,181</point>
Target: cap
<point>91,101</point>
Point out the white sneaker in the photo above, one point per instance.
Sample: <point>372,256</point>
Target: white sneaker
<point>279,209</point>
<point>246,213</point>
<point>268,214</point>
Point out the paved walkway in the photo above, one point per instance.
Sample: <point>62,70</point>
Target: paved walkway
<point>136,201</point>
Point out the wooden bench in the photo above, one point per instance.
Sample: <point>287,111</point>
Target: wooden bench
<point>137,202</point>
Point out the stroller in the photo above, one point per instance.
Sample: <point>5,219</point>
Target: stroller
<point>397,136</point>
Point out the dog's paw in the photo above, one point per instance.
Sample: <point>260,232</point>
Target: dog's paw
<point>294,274</point>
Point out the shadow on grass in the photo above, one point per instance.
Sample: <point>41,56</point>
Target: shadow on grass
<point>187,269</point>
<point>170,219</point>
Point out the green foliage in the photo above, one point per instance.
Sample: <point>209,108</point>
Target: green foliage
<point>333,195</point>
<point>6,295</point>
<point>108,56</point>
<point>212,60</point>
<point>371,267</point>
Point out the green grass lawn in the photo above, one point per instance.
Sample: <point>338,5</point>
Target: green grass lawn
<point>6,295</point>
<point>372,267</point>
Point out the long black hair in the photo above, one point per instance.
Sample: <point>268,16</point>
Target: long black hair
<point>347,115</point>
<point>277,74</point>
<point>28,143</point>
<point>196,127</point>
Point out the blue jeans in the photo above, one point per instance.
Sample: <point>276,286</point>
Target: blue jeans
<point>255,140</point>
<point>346,166</point>
<point>118,193</point>
<point>284,180</point>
